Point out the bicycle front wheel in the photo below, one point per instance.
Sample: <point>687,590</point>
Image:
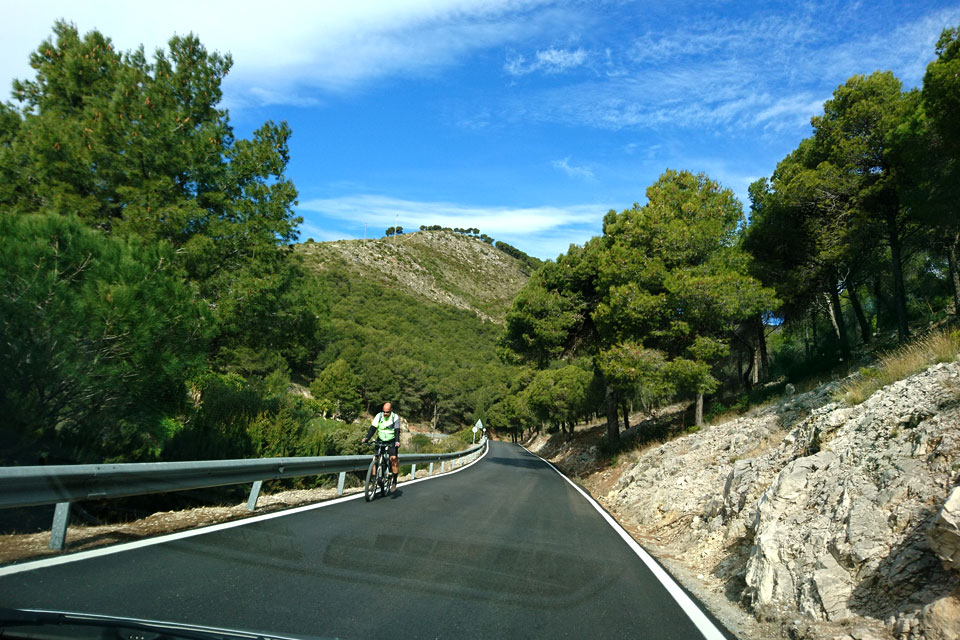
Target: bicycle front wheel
<point>370,486</point>
<point>382,476</point>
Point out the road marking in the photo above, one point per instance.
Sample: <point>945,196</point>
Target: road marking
<point>696,615</point>
<point>127,546</point>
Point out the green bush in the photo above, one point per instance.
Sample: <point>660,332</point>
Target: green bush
<point>285,433</point>
<point>419,443</point>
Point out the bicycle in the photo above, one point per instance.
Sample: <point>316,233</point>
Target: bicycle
<point>378,473</point>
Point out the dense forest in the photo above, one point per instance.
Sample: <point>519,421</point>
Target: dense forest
<point>437,361</point>
<point>153,302</point>
<point>849,247</point>
<point>151,305</point>
<point>154,306</point>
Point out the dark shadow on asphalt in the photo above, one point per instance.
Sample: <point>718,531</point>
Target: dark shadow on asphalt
<point>525,575</point>
<point>523,463</point>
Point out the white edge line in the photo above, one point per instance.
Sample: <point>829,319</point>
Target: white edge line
<point>696,615</point>
<point>127,546</point>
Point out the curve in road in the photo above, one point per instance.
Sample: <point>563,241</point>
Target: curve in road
<point>505,548</point>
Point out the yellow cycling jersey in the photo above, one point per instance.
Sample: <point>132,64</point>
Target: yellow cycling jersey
<point>386,427</point>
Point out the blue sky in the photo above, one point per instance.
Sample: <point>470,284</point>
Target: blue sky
<point>528,119</point>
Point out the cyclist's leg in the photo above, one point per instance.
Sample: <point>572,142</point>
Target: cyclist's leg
<point>394,465</point>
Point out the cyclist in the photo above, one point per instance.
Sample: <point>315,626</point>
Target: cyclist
<point>386,425</point>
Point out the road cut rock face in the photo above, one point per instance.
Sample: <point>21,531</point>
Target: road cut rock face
<point>814,512</point>
<point>944,536</point>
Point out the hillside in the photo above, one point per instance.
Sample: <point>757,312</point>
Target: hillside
<point>415,320</point>
<point>439,267</point>
<point>822,520</point>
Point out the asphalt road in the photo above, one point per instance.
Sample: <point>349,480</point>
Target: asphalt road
<point>505,548</point>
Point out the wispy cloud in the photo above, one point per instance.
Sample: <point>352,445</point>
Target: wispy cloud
<point>764,72</point>
<point>550,60</point>
<point>790,112</point>
<point>571,170</point>
<point>544,231</point>
<point>906,50</point>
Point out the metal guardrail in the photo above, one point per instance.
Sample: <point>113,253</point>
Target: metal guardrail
<point>63,484</point>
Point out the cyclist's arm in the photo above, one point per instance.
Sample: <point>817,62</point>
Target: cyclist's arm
<point>373,429</point>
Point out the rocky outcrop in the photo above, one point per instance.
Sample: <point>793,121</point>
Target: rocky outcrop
<point>816,511</point>
<point>944,535</point>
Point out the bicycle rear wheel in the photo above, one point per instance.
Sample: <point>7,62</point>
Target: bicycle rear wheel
<point>370,486</point>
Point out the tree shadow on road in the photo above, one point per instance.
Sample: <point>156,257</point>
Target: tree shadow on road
<point>522,463</point>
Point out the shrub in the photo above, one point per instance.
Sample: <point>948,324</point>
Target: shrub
<point>419,443</point>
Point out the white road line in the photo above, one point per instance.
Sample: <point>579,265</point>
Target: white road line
<point>127,546</point>
<point>696,615</point>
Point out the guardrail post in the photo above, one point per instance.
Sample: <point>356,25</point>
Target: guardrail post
<point>443,465</point>
<point>61,518</point>
<point>343,475</point>
<point>430,470</point>
<point>254,494</point>
<point>413,472</point>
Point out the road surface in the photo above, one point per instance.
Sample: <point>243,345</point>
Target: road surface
<point>504,548</point>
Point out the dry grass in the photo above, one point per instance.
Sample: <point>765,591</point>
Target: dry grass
<point>939,346</point>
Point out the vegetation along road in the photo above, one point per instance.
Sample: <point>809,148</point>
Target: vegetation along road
<point>504,548</point>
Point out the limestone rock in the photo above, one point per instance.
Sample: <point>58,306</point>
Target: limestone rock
<point>944,536</point>
<point>814,510</point>
<point>941,619</point>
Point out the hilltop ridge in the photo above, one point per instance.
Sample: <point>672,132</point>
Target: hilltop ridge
<point>437,266</point>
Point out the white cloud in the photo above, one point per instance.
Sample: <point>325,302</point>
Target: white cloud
<point>310,230</point>
<point>289,49</point>
<point>573,171</point>
<point>543,231</point>
<point>379,210</point>
<point>560,59</point>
